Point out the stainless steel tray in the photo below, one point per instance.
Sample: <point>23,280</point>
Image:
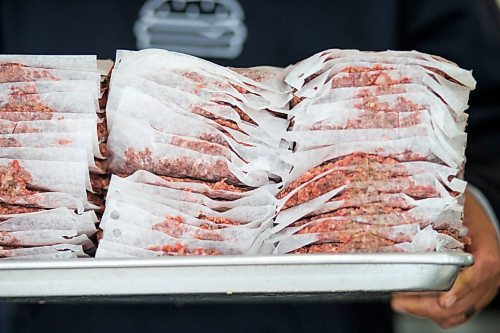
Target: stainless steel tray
<point>226,277</point>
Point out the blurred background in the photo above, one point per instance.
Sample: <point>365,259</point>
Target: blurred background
<point>277,32</point>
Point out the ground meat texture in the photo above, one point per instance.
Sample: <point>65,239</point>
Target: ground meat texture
<point>240,112</point>
<point>244,116</point>
<point>363,242</point>
<point>380,90</point>
<point>103,100</point>
<point>12,72</point>
<point>63,141</point>
<point>242,90</point>
<point>7,248</point>
<point>347,236</point>
<point>99,183</point>
<point>365,163</point>
<point>24,89</point>
<point>102,131</point>
<point>359,199</point>
<point>401,104</point>
<point>222,185</point>
<point>450,232</point>
<point>99,234</point>
<point>103,149</point>
<point>102,165</point>
<point>214,138</point>
<point>399,185</point>
<point>7,209</point>
<point>24,103</point>
<point>331,220</point>
<point>373,208</point>
<point>175,227</point>
<point>466,240</point>
<point>174,167</point>
<point>7,128</point>
<point>330,248</point>
<point>367,78</point>
<point>340,178</point>
<point>202,82</point>
<point>255,74</point>
<point>14,180</point>
<point>343,224</point>
<point>28,116</point>
<point>367,209</point>
<point>218,220</point>
<point>221,121</point>
<point>351,231</point>
<point>220,139</point>
<point>374,119</point>
<point>200,146</point>
<point>364,69</point>
<point>104,90</point>
<point>179,221</point>
<point>331,226</point>
<point>95,199</point>
<point>179,249</point>
<point>171,225</point>
<point>295,100</point>
<point>9,142</point>
<point>6,238</point>
<point>207,226</point>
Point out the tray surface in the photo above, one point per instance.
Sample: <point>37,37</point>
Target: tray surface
<point>226,277</point>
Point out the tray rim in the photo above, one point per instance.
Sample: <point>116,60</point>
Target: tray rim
<point>455,259</point>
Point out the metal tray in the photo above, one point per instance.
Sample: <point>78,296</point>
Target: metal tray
<point>224,277</point>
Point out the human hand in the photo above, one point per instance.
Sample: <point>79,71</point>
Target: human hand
<point>475,287</point>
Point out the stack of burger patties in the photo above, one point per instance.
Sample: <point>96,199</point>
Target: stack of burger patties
<point>48,145</point>
<point>378,154</point>
<point>197,154</point>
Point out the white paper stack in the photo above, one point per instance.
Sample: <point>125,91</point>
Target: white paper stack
<point>148,215</point>
<point>346,151</point>
<point>192,122</point>
<point>379,152</point>
<point>48,144</point>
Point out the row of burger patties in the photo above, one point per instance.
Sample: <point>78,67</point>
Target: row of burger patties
<point>51,155</point>
<point>379,152</point>
<point>202,155</point>
<point>196,153</point>
<point>203,163</point>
